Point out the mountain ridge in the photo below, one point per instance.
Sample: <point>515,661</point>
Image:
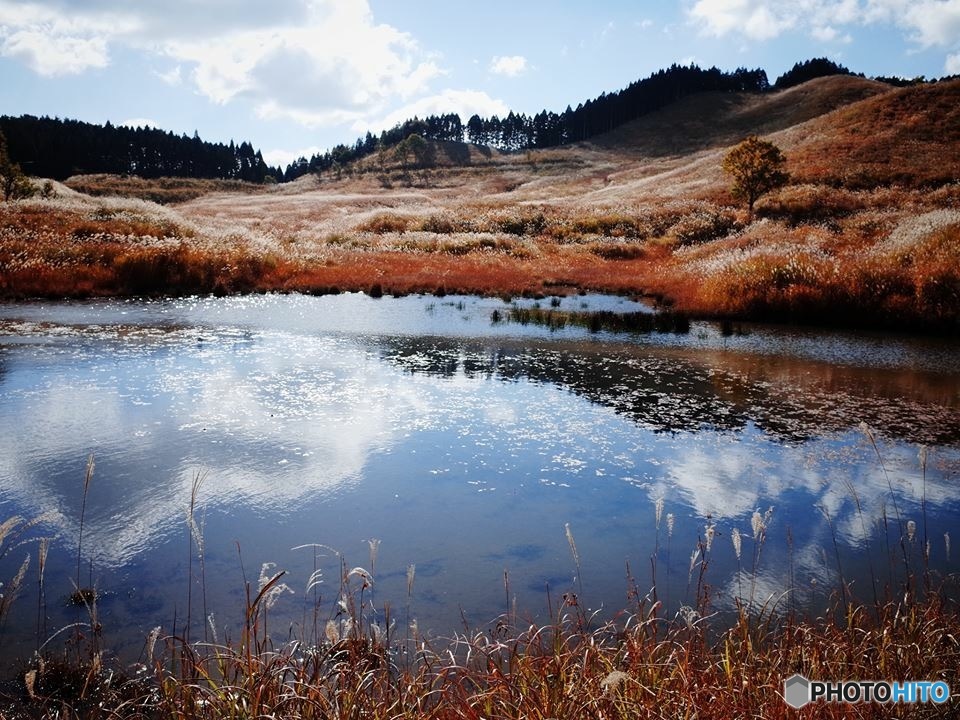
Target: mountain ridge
<point>60,148</point>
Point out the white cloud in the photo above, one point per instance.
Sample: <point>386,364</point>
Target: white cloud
<point>463,102</point>
<point>928,23</point>
<point>753,18</point>
<point>829,34</point>
<point>281,158</point>
<point>509,65</point>
<point>934,23</point>
<point>316,62</point>
<point>52,55</point>
<point>140,122</point>
<point>51,42</point>
<point>824,34</point>
<point>952,65</point>
<point>172,77</point>
<point>339,67</point>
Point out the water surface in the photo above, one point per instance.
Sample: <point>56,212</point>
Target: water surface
<point>464,446</point>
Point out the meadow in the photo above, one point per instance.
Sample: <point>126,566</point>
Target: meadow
<point>870,238</point>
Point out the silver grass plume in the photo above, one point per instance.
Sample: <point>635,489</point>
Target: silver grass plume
<point>42,556</point>
<point>612,681</point>
<point>332,632</point>
<point>152,642</point>
<point>362,574</point>
<point>573,545</point>
<point>693,562</point>
<point>315,579</point>
<point>274,593</point>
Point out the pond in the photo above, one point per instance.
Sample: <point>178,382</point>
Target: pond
<point>436,433</point>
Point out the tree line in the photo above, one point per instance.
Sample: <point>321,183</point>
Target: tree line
<point>55,148</point>
<point>519,131</point>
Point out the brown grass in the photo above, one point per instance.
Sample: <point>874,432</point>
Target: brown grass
<point>639,664</point>
<point>158,190</point>
<point>829,248</point>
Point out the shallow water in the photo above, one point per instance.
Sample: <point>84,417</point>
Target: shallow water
<point>464,446</point>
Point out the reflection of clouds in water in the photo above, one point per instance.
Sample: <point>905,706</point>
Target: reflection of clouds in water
<point>721,484</point>
<point>769,587</point>
<point>728,479</point>
<point>280,419</point>
<point>273,428</point>
<point>858,492</point>
<point>805,484</point>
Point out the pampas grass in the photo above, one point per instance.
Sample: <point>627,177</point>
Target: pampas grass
<point>639,663</point>
<point>576,556</point>
<point>87,477</point>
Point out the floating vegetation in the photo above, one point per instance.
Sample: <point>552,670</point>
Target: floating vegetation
<point>597,320</point>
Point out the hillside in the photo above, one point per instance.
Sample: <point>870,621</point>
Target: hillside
<point>867,233</point>
<point>909,137</point>
<point>711,120</point>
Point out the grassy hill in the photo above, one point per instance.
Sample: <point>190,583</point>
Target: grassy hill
<point>867,232</point>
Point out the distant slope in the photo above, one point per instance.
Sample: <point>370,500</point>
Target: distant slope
<point>710,120</point>
<point>909,136</point>
<point>841,131</point>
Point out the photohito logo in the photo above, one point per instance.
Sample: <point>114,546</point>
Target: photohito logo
<point>798,691</point>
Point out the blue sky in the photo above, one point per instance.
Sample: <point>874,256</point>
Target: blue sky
<point>297,76</point>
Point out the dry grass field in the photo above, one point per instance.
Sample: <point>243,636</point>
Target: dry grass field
<point>866,233</point>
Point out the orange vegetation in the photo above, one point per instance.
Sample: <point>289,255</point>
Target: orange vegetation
<point>867,233</point>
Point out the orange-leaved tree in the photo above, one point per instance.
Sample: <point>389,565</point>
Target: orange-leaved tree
<point>757,167</point>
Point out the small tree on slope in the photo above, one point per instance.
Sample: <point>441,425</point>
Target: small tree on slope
<point>756,167</point>
<point>13,183</point>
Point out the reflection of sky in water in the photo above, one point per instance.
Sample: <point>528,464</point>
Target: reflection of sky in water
<point>464,447</point>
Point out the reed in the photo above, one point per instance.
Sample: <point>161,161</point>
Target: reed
<point>636,663</point>
<point>576,557</point>
<point>87,477</point>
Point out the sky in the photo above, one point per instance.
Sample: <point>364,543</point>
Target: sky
<point>295,77</point>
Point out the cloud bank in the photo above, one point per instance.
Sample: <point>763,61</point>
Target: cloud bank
<point>315,62</point>
<point>927,23</point>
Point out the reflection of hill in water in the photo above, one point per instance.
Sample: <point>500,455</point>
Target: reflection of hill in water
<point>671,389</point>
